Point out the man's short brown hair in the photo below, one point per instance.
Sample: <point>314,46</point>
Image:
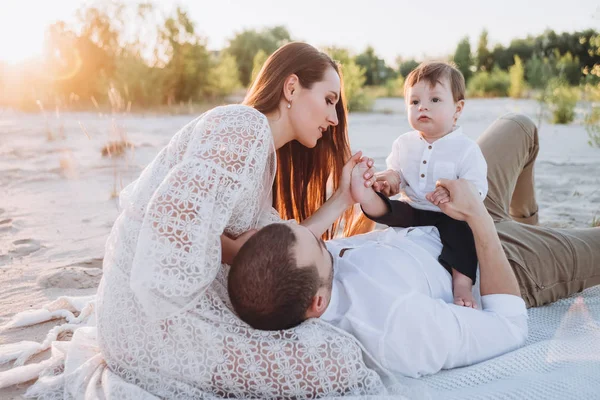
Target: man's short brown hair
<point>434,72</point>
<point>267,287</point>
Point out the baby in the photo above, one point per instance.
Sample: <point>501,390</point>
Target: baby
<point>437,148</point>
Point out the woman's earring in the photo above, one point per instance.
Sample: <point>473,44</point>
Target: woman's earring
<point>289,104</point>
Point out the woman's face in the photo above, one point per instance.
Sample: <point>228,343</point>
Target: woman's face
<point>313,110</point>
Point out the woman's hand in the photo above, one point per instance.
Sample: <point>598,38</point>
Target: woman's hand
<point>369,175</point>
<point>387,182</point>
<point>339,201</point>
<point>230,247</point>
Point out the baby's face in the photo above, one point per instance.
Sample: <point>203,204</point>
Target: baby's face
<point>431,109</point>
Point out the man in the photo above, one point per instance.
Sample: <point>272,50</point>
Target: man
<point>390,291</point>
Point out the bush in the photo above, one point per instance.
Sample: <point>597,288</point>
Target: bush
<point>538,71</point>
<point>561,100</point>
<point>224,76</point>
<point>569,68</point>
<point>592,126</point>
<point>517,79</point>
<point>354,79</point>
<point>489,84</point>
<point>395,87</point>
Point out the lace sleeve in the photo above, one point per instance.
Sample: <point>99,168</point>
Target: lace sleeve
<point>178,253</point>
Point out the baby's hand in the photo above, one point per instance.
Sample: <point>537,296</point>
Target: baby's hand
<point>439,196</point>
<point>358,186</point>
<point>388,182</point>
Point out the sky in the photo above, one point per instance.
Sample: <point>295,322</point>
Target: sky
<point>416,29</point>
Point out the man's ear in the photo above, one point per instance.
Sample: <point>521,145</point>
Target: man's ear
<point>460,105</point>
<point>317,307</point>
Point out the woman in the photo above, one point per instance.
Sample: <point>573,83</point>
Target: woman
<point>163,313</point>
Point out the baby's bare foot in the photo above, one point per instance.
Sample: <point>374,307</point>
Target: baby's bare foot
<point>463,290</point>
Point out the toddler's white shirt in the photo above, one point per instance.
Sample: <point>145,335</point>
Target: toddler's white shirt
<point>421,164</point>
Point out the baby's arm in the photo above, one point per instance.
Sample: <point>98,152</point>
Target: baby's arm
<point>379,208</point>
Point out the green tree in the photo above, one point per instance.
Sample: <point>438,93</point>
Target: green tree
<point>463,59</point>
<point>405,67</point>
<point>484,59</point>
<point>259,60</point>
<point>224,77</point>
<point>187,71</point>
<point>538,71</point>
<point>517,79</point>
<point>569,68</point>
<point>502,57</point>
<point>376,71</point>
<point>338,54</point>
<point>489,84</point>
<point>246,44</point>
<point>354,79</point>
<point>561,99</point>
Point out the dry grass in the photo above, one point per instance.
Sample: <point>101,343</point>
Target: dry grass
<point>116,148</point>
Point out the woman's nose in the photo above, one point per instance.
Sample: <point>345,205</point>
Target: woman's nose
<point>333,118</point>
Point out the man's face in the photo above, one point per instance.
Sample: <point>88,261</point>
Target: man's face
<point>311,250</point>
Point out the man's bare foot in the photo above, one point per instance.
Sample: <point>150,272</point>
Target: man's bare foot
<point>463,290</point>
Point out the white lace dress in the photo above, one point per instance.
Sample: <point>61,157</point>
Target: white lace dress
<point>164,322</point>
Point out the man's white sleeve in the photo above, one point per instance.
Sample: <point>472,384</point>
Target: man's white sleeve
<point>424,335</point>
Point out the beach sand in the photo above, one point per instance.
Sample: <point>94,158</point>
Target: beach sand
<point>57,190</point>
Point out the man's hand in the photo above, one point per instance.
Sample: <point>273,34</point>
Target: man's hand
<point>439,196</point>
<point>387,182</point>
<point>465,202</point>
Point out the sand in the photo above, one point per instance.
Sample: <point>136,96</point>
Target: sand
<point>57,190</point>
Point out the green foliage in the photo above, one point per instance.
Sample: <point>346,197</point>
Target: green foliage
<point>592,125</point>
<point>561,100</point>
<point>139,83</point>
<point>376,71</point>
<point>151,59</point>
<point>489,84</point>
<point>568,68</point>
<point>357,98</point>
<point>354,80</point>
<point>463,59</point>
<point>538,71</point>
<point>592,73</point>
<point>259,60</point>
<point>338,54</point>
<point>517,79</point>
<point>187,72</point>
<point>484,59</point>
<point>405,67</point>
<point>504,57</point>
<point>395,87</point>
<point>246,44</point>
<point>224,77</point>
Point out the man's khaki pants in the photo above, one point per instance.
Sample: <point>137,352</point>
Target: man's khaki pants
<point>549,263</point>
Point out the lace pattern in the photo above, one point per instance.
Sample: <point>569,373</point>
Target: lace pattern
<point>164,319</point>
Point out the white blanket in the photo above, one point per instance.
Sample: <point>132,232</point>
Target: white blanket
<point>561,360</point>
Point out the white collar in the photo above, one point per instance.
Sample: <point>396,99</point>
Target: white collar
<point>456,132</point>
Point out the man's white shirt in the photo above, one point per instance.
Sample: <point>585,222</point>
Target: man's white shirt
<point>421,164</point>
<point>392,294</point>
